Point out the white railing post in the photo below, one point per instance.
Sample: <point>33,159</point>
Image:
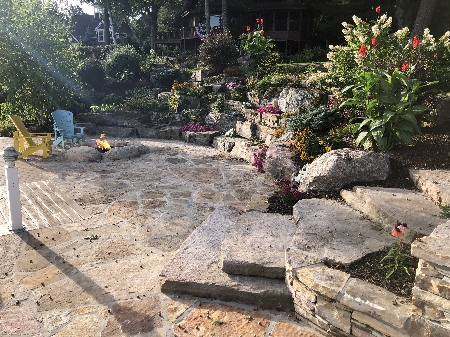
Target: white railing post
<point>10,155</point>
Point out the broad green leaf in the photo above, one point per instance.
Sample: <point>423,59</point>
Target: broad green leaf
<point>361,136</point>
<point>404,136</point>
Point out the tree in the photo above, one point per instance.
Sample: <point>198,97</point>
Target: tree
<point>424,16</point>
<point>37,60</point>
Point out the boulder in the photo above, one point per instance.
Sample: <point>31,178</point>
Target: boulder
<point>441,112</point>
<point>293,99</point>
<point>337,168</point>
<point>221,121</point>
<point>123,152</point>
<point>83,154</point>
<point>279,163</point>
<point>199,138</point>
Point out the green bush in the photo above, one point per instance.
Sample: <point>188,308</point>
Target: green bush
<point>218,52</point>
<point>122,62</point>
<point>112,99</point>
<point>258,49</point>
<point>92,73</point>
<point>319,119</point>
<point>163,77</point>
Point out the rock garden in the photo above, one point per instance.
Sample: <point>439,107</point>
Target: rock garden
<point>349,145</point>
<point>354,235</point>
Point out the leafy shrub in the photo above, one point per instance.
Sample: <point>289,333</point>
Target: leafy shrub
<point>257,48</point>
<point>144,99</point>
<point>219,104</point>
<point>270,81</point>
<point>92,73</point>
<point>187,89</point>
<point>259,158</point>
<point>112,99</point>
<point>163,77</point>
<point>122,59</point>
<point>308,146</point>
<point>286,191</point>
<point>319,119</point>
<point>218,52</point>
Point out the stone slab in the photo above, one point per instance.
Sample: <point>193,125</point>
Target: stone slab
<point>377,302</point>
<point>334,232</point>
<point>222,143</point>
<point>194,269</point>
<point>379,325</point>
<point>434,184</point>
<point>244,149</point>
<point>387,206</point>
<point>256,243</point>
<point>421,327</point>
<point>432,249</point>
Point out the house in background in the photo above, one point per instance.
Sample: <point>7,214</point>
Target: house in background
<point>90,30</point>
<point>287,23</point>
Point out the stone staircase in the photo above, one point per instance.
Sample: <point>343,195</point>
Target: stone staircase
<point>258,258</point>
<point>43,205</point>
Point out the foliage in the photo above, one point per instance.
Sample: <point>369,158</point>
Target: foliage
<point>271,109</point>
<point>270,81</point>
<point>257,48</point>
<point>105,108</point>
<point>37,61</point>
<point>196,127</point>
<point>150,61</point>
<point>308,146</point>
<point>91,73</point>
<point>163,77</point>
<point>315,54</point>
<point>371,45</point>
<point>278,132</point>
<point>286,191</point>
<point>236,91</point>
<point>218,52</point>
<point>122,60</point>
<point>144,99</point>
<point>396,258</point>
<point>112,99</point>
<point>219,104</point>
<point>259,158</point>
<point>342,135</point>
<point>187,89</point>
<point>390,109</point>
<point>320,119</point>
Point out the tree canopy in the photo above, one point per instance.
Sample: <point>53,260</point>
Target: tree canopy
<point>36,76</point>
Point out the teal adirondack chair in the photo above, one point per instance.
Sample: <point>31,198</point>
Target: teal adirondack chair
<point>65,129</point>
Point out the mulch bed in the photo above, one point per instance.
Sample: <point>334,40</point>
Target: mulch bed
<point>430,151</point>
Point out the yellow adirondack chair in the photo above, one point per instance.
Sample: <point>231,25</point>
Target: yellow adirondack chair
<point>27,143</point>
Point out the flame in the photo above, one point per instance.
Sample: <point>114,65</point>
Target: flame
<point>102,143</point>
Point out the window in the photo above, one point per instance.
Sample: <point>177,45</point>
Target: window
<point>101,35</point>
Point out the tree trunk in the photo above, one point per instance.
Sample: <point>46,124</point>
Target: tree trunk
<point>107,34</point>
<point>207,16</point>
<point>224,14</point>
<point>153,26</point>
<point>424,17</point>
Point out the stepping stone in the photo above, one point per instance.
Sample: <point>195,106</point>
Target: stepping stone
<point>330,231</point>
<point>386,206</point>
<point>195,269</point>
<point>255,245</point>
<point>434,184</point>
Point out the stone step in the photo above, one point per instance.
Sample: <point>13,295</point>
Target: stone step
<point>388,206</point>
<point>434,184</point>
<point>255,245</point>
<point>329,231</point>
<point>195,269</point>
<point>43,205</point>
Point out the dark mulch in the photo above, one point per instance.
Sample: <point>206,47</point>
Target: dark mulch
<point>430,151</point>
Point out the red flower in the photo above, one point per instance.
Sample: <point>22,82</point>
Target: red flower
<point>374,41</point>
<point>248,29</point>
<point>397,232</point>
<point>416,42</point>
<point>378,9</point>
<point>363,51</point>
<point>257,20</point>
<point>405,67</point>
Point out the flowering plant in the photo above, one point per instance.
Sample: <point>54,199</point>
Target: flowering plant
<point>272,109</point>
<point>196,127</point>
<point>259,158</point>
<point>396,258</point>
<point>286,191</point>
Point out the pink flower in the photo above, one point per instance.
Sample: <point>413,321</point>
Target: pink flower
<point>363,51</point>
<point>378,9</point>
<point>397,232</point>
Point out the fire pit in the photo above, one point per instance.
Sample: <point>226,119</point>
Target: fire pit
<point>106,151</point>
<point>102,144</point>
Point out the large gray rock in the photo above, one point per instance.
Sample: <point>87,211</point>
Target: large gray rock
<point>83,154</point>
<point>279,163</point>
<point>221,121</point>
<point>293,99</point>
<point>337,168</point>
<point>123,152</point>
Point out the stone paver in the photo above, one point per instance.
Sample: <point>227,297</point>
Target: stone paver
<point>100,276</point>
<point>434,184</point>
<point>255,245</point>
